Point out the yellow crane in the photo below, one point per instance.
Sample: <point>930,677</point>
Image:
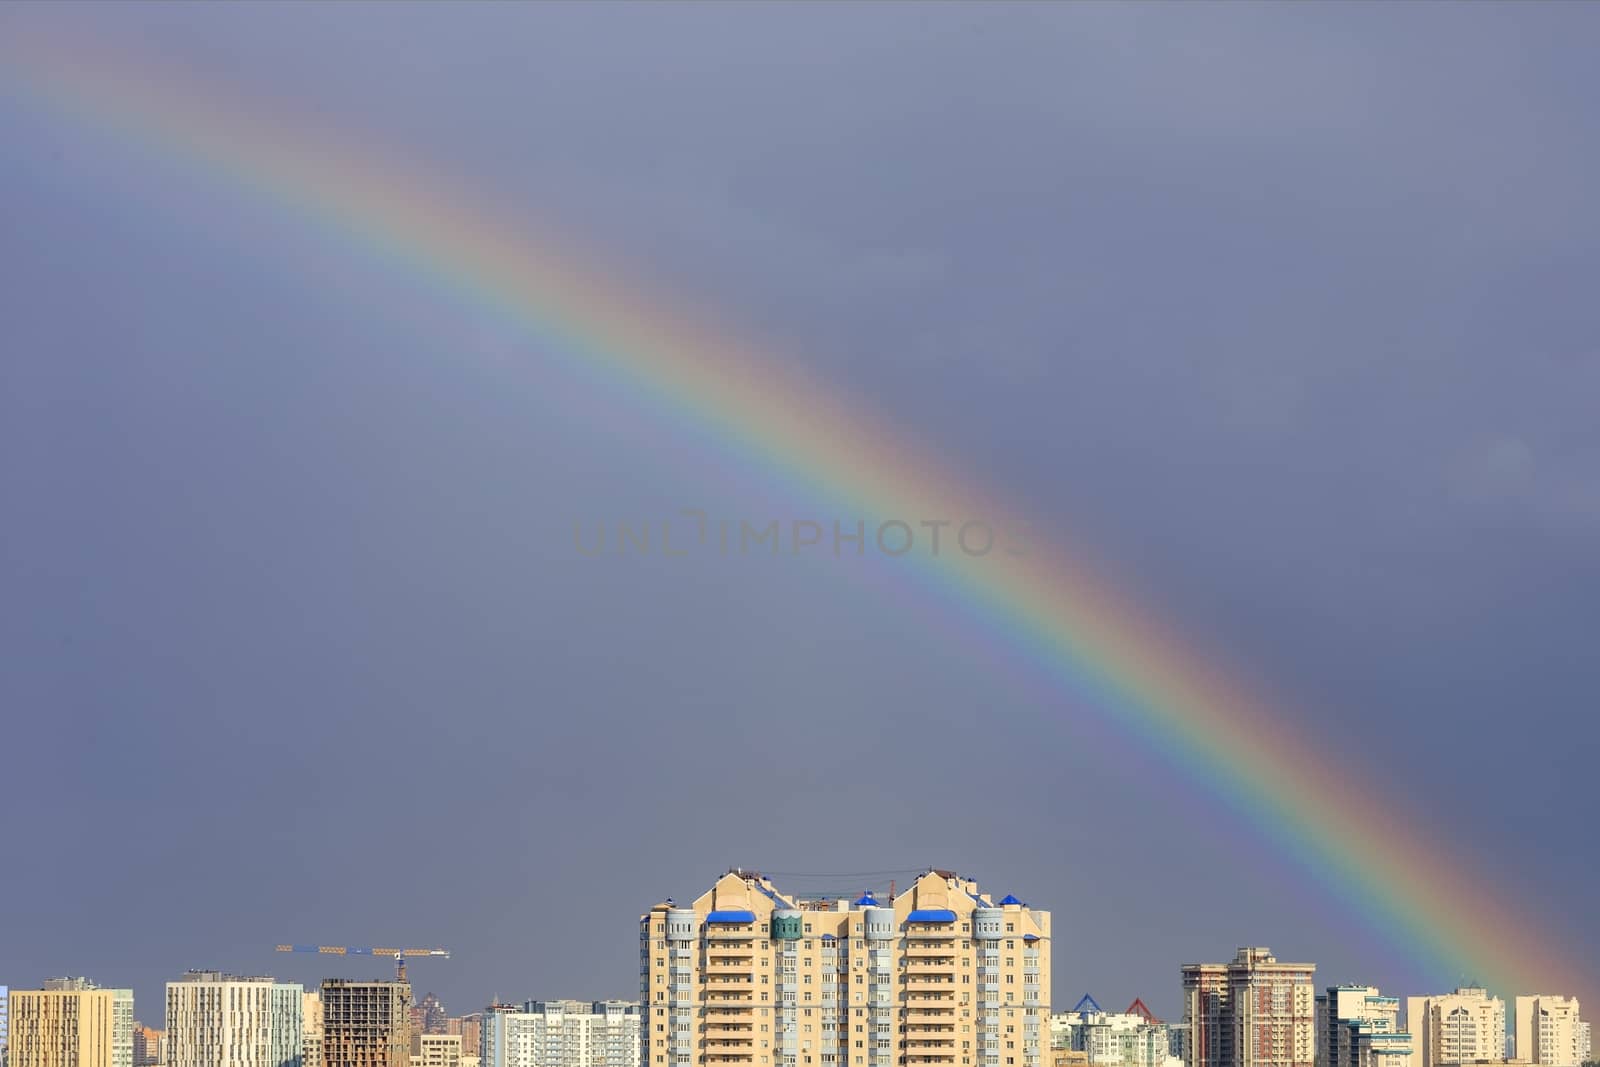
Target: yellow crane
<point>399,955</point>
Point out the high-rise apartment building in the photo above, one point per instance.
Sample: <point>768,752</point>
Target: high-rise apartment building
<point>1457,1027</point>
<point>224,1020</point>
<point>1359,1027</point>
<point>1253,1012</point>
<point>149,1046</point>
<point>563,1033</point>
<point>1550,1032</point>
<point>70,1023</point>
<point>366,1024</point>
<point>939,976</point>
<point>311,1029</point>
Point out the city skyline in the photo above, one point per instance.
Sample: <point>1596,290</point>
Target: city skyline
<point>901,969</point>
<point>1530,1002</point>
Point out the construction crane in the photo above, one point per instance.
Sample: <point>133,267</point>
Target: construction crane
<point>399,954</point>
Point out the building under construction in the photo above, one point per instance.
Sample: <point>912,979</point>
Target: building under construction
<point>366,1024</point>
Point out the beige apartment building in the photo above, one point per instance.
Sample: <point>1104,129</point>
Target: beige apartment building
<point>436,1050</point>
<point>366,1024</point>
<point>940,976</point>
<point>311,1029</point>
<point>1461,1027</point>
<point>1253,1012</point>
<point>70,1023</point>
<point>1550,1032</point>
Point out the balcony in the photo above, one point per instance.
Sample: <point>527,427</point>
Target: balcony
<point>726,974</point>
<point>929,983</point>
<point>726,1006</point>
<point>930,946</point>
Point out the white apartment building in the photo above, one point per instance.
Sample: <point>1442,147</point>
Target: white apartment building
<point>1550,1032</point>
<point>562,1033</point>
<point>222,1020</point>
<point>1457,1027</point>
<point>1132,1038</point>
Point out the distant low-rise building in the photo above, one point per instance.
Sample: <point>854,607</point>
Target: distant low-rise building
<point>1132,1038</point>
<point>436,1050</point>
<point>149,1046</point>
<point>563,1033</point>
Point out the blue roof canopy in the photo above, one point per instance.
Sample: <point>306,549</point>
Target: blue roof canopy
<point>931,915</point>
<point>731,917</point>
<point>867,901</point>
<point>1009,899</point>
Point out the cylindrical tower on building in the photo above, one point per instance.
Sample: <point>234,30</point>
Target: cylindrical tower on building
<point>787,924</point>
<point>988,924</point>
<point>682,924</point>
<point>879,924</point>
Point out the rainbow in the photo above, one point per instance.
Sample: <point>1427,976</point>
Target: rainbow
<point>1052,608</point>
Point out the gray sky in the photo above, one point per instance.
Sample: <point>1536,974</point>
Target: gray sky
<point>1286,312</point>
